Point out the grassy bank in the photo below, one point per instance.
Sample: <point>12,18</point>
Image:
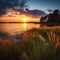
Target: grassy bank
<point>35,44</point>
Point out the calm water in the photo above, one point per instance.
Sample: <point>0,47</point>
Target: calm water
<point>20,27</point>
<point>16,27</point>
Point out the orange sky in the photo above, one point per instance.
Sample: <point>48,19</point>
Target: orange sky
<point>18,18</point>
<point>13,16</point>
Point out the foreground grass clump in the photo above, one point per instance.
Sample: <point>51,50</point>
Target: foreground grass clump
<point>35,44</point>
<point>9,50</point>
<point>37,50</point>
<point>41,44</point>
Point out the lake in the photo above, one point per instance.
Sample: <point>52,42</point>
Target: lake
<point>20,27</point>
<point>17,27</point>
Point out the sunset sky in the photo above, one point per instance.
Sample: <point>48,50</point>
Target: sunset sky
<point>43,5</point>
<point>32,4</point>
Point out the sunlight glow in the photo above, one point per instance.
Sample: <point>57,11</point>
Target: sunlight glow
<point>24,19</point>
<point>25,26</point>
<point>14,16</point>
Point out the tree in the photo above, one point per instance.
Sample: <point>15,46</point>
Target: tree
<point>54,17</point>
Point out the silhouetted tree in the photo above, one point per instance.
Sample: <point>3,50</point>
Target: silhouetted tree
<point>43,19</point>
<point>54,17</point>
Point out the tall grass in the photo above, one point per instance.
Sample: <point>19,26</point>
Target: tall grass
<point>37,49</point>
<point>35,44</point>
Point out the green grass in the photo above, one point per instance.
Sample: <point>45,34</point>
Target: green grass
<point>36,44</point>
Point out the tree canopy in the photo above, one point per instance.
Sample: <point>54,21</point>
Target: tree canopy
<point>53,18</point>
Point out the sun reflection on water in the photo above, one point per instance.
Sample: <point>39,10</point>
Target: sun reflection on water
<point>25,26</point>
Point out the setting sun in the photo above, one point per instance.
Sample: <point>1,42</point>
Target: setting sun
<point>24,19</point>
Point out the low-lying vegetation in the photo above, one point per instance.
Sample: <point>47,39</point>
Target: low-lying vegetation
<point>35,44</point>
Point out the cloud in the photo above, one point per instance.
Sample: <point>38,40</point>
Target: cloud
<point>12,4</point>
<point>6,4</point>
<point>49,10</point>
<point>37,12</point>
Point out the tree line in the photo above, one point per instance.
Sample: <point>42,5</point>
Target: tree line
<point>53,18</point>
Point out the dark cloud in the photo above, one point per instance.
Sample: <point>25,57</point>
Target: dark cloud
<point>50,10</point>
<point>6,4</point>
<point>36,12</point>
